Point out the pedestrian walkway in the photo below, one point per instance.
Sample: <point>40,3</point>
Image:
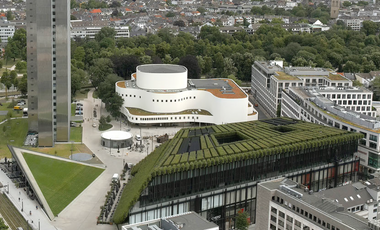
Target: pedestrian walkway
<point>27,207</point>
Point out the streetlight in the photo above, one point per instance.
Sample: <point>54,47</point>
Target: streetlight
<point>147,148</point>
<point>22,205</point>
<point>39,225</point>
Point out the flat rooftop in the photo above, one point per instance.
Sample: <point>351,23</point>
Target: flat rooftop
<point>161,68</point>
<point>220,87</point>
<point>323,203</point>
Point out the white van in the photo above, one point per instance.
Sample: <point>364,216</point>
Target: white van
<point>138,138</point>
<point>115,177</point>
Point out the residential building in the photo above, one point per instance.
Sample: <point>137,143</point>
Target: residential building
<point>317,106</point>
<point>270,78</point>
<point>214,170</point>
<point>162,94</point>
<point>7,30</point>
<point>184,221</point>
<point>49,79</point>
<point>367,78</point>
<point>285,204</point>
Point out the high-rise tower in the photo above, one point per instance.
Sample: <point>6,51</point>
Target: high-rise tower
<point>49,79</point>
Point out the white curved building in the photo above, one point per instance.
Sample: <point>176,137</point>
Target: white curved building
<point>161,93</point>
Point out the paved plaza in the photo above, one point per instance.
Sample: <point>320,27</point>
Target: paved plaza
<point>83,211</point>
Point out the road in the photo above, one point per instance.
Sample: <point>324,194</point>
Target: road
<point>262,113</point>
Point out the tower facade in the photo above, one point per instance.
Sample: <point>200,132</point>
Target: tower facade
<point>49,74</point>
<point>335,4</point>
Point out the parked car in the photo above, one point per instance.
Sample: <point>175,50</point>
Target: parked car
<point>79,104</point>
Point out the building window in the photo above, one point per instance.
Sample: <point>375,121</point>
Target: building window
<point>372,145</point>
<point>372,137</point>
<point>373,160</point>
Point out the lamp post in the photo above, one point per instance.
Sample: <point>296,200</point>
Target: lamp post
<point>39,224</point>
<point>147,148</point>
<point>8,187</point>
<point>22,205</point>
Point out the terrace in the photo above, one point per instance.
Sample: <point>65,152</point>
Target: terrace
<point>285,77</point>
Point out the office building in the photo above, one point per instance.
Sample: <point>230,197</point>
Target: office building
<point>7,30</point>
<point>214,170</point>
<point>315,104</point>
<point>285,204</point>
<point>184,221</point>
<point>270,78</point>
<point>89,29</point>
<point>162,94</point>
<point>49,81</point>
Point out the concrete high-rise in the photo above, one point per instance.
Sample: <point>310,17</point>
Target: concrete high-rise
<point>49,79</point>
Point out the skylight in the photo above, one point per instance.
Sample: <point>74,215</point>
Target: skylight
<point>346,199</point>
<point>358,196</point>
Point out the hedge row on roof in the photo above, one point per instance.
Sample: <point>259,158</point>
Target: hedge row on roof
<point>142,176</point>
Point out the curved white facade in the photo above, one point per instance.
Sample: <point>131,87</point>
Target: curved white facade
<point>157,77</point>
<point>193,103</point>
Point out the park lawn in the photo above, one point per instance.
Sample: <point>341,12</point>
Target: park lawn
<point>15,134</point>
<point>63,150</point>
<point>60,181</point>
<point>14,113</point>
<point>76,134</point>
<point>81,94</point>
<point>73,107</point>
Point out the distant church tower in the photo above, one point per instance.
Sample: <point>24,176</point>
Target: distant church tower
<point>335,4</point>
<point>49,76</point>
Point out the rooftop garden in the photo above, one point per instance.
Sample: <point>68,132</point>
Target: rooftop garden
<point>60,181</point>
<point>218,144</point>
<point>283,76</point>
<point>336,77</point>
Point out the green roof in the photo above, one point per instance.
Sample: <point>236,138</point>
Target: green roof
<point>213,145</point>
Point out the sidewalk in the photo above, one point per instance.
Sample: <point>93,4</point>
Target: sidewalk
<point>38,219</point>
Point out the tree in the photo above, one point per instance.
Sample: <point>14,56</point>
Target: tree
<point>78,80</point>
<point>192,65</point>
<point>179,23</point>
<point>370,27</point>
<point>20,66</point>
<point>347,3</point>
<point>10,16</point>
<point>101,68</point>
<point>105,32</point>
<point>241,220</point>
<point>201,10</point>
<point>125,65</point>
<point>7,81</point>
<point>2,224</point>
<point>108,95</point>
<point>22,86</point>
<point>170,15</point>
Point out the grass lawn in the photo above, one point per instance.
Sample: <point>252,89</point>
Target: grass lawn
<point>60,181</point>
<point>4,107</point>
<point>73,107</point>
<point>105,127</point>
<point>76,134</point>
<point>15,133</point>
<point>63,150</point>
<point>81,94</point>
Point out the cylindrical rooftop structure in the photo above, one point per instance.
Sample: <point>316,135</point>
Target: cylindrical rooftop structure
<point>161,77</point>
<point>116,139</point>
